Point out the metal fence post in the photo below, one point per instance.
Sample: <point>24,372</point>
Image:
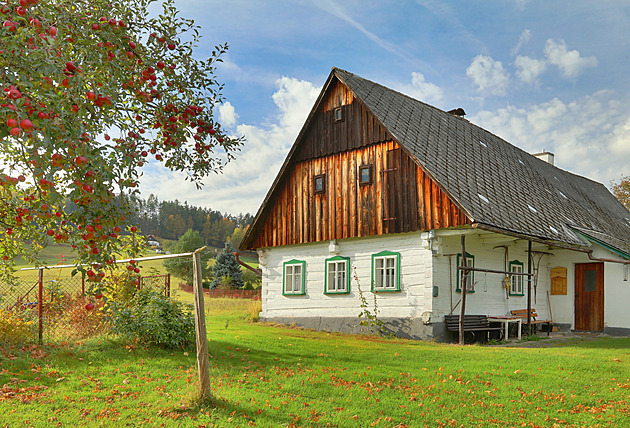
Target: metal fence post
<point>40,305</point>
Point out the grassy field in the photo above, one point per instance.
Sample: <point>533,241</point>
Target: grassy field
<point>270,376</point>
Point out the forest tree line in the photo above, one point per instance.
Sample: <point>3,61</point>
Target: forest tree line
<point>171,219</point>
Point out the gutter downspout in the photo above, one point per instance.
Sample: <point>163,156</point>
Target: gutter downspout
<point>242,263</point>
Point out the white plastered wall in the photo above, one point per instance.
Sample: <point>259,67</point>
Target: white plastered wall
<point>490,298</point>
<point>420,271</point>
<point>412,301</point>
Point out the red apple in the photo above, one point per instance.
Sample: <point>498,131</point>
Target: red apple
<point>80,160</point>
<point>89,307</point>
<point>26,125</point>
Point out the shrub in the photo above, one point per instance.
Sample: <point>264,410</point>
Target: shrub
<point>154,319</point>
<point>15,328</point>
<point>120,286</point>
<point>252,280</point>
<point>82,323</point>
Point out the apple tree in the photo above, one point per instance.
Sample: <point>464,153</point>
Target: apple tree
<point>91,92</point>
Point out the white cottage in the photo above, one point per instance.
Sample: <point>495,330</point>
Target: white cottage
<point>375,195</point>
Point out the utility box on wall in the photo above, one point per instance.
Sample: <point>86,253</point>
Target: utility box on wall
<point>559,281</point>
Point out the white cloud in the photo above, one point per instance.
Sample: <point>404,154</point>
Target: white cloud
<point>570,63</point>
<point>227,115</point>
<point>422,90</point>
<point>489,75</point>
<point>520,4</point>
<point>245,181</point>
<point>522,40</point>
<point>528,69</point>
<point>589,136</point>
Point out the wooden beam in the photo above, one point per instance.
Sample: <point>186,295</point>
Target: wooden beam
<point>203,362</point>
<point>462,308</point>
<point>529,288</point>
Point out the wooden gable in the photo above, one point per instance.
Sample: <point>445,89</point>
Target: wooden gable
<point>341,137</point>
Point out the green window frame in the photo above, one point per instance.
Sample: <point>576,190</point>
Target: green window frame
<point>337,275</point>
<point>294,278</point>
<point>516,281</point>
<point>470,262</point>
<point>385,272</point>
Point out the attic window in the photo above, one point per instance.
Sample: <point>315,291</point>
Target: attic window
<point>365,175</point>
<point>319,183</point>
<point>338,114</point>
<point>482,143</point>
<point>532,208</point>
<point>483,198</point>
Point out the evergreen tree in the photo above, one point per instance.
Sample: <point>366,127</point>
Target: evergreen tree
<point>226,266</point>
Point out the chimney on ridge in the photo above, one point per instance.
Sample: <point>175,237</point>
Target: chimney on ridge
<point>545,156</point>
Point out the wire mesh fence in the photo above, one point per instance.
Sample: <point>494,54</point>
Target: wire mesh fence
<point>43,305</point>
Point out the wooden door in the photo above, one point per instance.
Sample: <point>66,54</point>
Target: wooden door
<point>589,296</point>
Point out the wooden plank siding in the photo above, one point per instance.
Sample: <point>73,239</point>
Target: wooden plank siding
<point>395,202</point>
<point>357,128</point>
<point>401,198</point>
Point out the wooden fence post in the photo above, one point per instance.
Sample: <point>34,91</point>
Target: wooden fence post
<point>203,362</point>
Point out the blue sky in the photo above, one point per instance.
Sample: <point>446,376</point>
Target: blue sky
<point>551,75</point>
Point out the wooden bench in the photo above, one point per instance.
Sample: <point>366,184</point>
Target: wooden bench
<point>472,324</point>
<point>522,313</point>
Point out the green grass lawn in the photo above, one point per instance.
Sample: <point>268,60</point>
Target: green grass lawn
<point>270,376</point>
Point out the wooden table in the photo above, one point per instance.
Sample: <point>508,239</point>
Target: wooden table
<point>506,323</point>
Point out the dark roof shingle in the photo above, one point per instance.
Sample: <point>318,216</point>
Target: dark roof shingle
<point>524,194</point>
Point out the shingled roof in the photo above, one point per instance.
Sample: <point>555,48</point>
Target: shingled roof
<point>496,183</point>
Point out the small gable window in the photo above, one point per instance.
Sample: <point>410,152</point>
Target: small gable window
<point>516,281</point>
<point>386,271</point>
<point>365,175</point>
<point>293,277</point>
<point>319,183</point>
<point>337,278</point>
<point>338,114</point>
<point>470,262</point>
